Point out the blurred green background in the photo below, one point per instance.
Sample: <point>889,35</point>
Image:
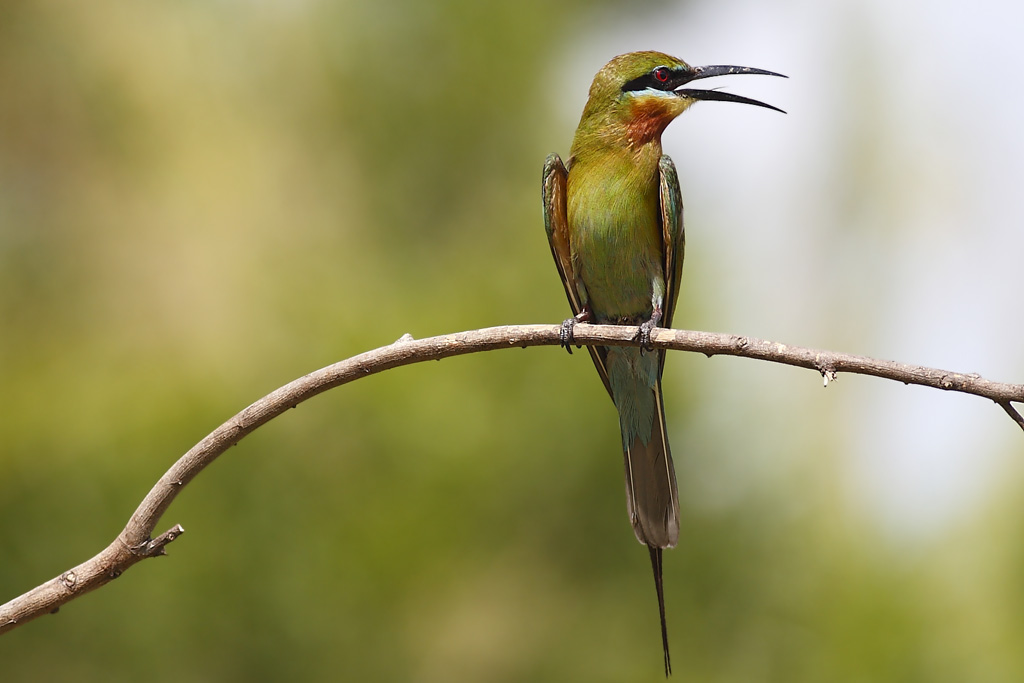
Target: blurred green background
<point>200,201</point>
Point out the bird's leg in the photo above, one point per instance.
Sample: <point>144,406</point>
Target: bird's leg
<point>643,333</point>
<point>565,335</point>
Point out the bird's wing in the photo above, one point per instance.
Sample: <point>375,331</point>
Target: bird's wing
<point>671,233</point>
<point>672,236</point>
<point>556,224</point>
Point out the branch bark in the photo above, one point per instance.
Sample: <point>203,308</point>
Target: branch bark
<point>134,543</point>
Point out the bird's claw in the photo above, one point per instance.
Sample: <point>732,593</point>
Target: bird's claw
<point>643,332</point>
<point>565,336</point>
<point>643,336</point>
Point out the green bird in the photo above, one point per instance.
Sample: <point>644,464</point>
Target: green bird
<point>614,221</point>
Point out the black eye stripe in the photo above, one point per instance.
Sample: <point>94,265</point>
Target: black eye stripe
<point>649,80</point>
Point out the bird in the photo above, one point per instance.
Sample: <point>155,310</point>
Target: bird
<point>614,221</point>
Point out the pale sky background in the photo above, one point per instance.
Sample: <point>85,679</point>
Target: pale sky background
<point>881,216</point>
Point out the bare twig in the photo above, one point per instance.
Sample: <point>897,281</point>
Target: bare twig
<point>134,543</point>
<point>1012,412</point>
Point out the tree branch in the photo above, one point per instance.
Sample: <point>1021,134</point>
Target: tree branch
<point>134,543</point>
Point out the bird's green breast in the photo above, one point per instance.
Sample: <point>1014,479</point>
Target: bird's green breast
<point>615,234</point>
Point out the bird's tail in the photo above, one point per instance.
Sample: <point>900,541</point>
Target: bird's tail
<point>654,504</point>
<point>651,496</point>
<point>651,493</point>
<point>656,566</point>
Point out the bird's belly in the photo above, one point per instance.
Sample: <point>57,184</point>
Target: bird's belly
<point>618,268</point>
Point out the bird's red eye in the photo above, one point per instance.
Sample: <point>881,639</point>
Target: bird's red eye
<point>661,73</point>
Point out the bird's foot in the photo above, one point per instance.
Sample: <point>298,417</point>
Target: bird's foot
<point>565,335</point>
<point>643,333</point>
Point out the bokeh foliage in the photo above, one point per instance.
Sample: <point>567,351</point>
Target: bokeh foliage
<point>200,201</point>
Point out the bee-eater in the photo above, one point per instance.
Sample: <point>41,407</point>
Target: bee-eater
<point>615,225</point>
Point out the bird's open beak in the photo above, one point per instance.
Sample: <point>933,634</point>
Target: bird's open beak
<point>698,72</point>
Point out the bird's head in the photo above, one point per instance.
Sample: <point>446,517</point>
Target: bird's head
<point>642,92</point>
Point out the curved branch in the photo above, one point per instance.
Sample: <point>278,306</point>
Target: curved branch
<point>134,543</point>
